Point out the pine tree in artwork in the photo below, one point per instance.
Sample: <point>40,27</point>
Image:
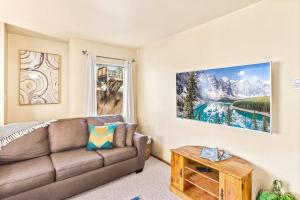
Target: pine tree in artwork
<point>264,124</point>
<point>229,116</point>
<point>191,96</point>
<point>218,118</point>
<point>254,122</point>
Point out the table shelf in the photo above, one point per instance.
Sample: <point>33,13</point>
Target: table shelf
<point>195,193</point>
<point>202,183</point>
<point>213,175</point>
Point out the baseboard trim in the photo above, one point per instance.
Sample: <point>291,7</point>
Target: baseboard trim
<point>162,160</point>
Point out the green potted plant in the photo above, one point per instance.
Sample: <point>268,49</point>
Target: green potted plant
<point>276,193</point>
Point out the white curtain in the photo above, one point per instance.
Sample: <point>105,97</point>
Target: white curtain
<point>90,95</point>
<point>128,105</point>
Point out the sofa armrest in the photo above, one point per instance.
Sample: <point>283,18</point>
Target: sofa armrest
<point>140,142</point>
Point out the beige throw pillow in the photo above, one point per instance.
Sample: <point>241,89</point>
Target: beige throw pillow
<point>119,139</point>
<point>130,130</point>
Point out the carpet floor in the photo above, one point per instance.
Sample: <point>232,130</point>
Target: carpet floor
<point>152,184</point>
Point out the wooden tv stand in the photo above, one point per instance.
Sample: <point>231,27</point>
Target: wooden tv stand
<point>230,179</point>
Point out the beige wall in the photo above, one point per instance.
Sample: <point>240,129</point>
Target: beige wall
<point>17,113</point>
<point>77,64</point>
<point>3,39</point>
<point>268,30</point>
<point>2,76</point>
<point>72,75</point>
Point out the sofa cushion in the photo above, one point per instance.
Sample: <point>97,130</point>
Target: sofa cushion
<point>26,175</point>
<point>120,135</point>
<point>130,130</point>
<point>117,154</point>
<point>100,121</point>
<point>68,134</point>
<point>101,137</point>
<point>74,162</point>
<point>119,139</point>
<point>32,145</point>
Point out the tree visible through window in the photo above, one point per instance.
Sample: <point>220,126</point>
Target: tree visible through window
<point>109,90</point>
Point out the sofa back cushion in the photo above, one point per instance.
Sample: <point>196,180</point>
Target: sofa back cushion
<point>32,145</point>
<point>119,135</point>
<point>100,121</point>
<point>68,134</point>
<point>130,130</point>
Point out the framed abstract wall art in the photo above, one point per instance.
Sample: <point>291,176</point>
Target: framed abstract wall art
<point>238,96</point>
<point>39,78</point>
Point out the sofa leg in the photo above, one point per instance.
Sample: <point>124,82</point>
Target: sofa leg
<point>139,171</point>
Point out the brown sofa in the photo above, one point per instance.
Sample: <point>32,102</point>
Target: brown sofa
<point>53,163</point>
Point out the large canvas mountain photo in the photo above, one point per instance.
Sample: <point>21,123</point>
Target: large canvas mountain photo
<point>237,96</point>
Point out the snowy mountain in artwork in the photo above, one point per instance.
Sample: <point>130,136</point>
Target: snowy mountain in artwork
<point>212,88</point>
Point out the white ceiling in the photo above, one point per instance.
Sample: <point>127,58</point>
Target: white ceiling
<point>123,22</point>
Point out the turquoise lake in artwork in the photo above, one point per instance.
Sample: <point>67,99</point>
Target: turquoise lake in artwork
<point>215,112</point>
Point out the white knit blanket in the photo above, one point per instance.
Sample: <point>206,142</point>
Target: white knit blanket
<point>11,132</point>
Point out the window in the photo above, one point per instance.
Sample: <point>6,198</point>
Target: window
<point>109,89</point>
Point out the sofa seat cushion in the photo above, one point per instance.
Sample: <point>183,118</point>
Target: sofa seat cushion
<point>26,175</point>
<point>118,154</point>
<point>75,162</point>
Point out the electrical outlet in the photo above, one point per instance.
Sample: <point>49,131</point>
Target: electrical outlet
<point>296,84</point>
